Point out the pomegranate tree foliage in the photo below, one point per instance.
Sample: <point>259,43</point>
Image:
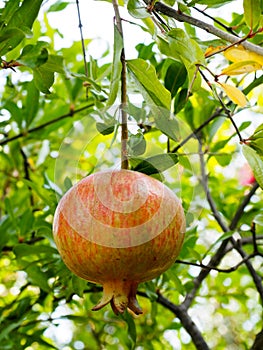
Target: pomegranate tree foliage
<point>189,125</point>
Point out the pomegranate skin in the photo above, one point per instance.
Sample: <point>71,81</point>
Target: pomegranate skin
<point>119,228</point>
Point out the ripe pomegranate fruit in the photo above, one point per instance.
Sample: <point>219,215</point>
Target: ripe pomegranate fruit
<point>119,228</point>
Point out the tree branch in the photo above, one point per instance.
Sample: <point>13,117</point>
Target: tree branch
<point>220,253</point>
<point>208,267</point>
<point>204,181</point>
<point>197,130</point>
<point>227,28</point>
<point>124,119</point>
<point>181,17</point>
<point>42,126</point>
<point>240,209</point>
<point>187,322</point>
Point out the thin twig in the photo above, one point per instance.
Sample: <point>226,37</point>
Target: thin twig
<point>217,113</point>
<point>26,174</point>
<point>180,312</point>
<point>229,29</point>
<point>42,126</point>
<point>227,111</point>
<point>82,40</point>
<point>204,181</point>
<point>254,237</point>
<point>220,253</point>
<point>240,209</point>
<point>124,119</point>
<point>214,268</point>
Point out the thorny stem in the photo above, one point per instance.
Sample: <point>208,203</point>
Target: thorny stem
<point>124,120</point>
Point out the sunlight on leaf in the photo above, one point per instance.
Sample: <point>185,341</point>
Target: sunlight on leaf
<point>252,9</point>
<point>241,68</point>
<point>212,50</point>
<point>239,53</point>
<point>234,94</point>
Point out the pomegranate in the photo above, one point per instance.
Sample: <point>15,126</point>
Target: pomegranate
<point>117,229</point>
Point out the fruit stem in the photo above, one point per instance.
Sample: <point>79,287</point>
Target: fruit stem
<point>124,124</point>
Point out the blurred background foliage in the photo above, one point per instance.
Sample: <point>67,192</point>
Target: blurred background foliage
<point>60,121</point>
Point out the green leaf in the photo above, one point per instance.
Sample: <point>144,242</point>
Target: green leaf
<point>58,6</point>
<point>151,88</point>
<point>180,100</point>
<point>78,285</point>
<point>256,82</point>
<point>22,250</point>
<point>26,222</point>
<point>21,20</point>
<point>10,38</point>
<point>34,55</point>
<point>210,3</point>
<point>32,103</point>
<point>146,52</point>
<point>131,327</point>
<point>43,79</point>
<point>105,129</point>
<point>116,67</point>
<point>137,144</point>
<point>137,10</point>
<point>167,123</point>
<point>255,141</point>
<point>54,64</point>
<point>154,164</point>
<point>259,219</point>
<point>26,14</point>
<point>175,77</point>
<point>252,10</point>
<point>37,277</point>
<point>255,162</point>
<point>189,52</point>
<point>9,9</point>
<point>187,48</point>
<point>15,111</point>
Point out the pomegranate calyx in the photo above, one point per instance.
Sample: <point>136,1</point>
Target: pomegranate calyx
<point>121,295</point>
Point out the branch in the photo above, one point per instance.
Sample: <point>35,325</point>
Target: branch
<point>227,28</point>
<point>197,130</point>
<point>256,278</point>
<point>187,322</point>
<point>124,118</point>
<point>42,126</point>
<point>178,310</point>
<point>209,268</point>
<point>27,175</point>
<point>220,253</point>
<point>204,181</point>
<point>240,209</point>
<point>181,17</point>
<point>258,344</point>
<point>82,40</point>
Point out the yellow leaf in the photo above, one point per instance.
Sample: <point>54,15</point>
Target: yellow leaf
<point>238,53</point>
<point>212,50</point>
<point>234,94</point>
<point>241,67</point>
